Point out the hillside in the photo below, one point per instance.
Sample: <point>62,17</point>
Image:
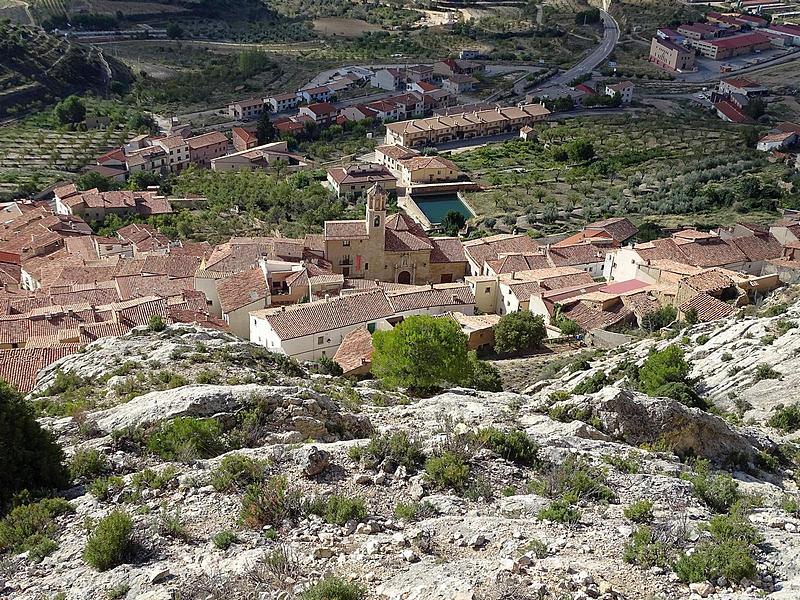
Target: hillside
<point>36,67</point>
<point>244,472</point>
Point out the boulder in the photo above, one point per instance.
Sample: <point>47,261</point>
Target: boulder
<point>639,419</point>
<point>316,462</point>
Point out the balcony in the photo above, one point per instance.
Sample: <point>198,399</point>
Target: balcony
<point>345,262</point>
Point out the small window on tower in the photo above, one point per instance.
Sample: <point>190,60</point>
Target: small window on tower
<point>377,221</point>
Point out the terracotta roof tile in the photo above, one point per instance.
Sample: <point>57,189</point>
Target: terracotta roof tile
<point>315,317</point>
<point>242,289</point>
<point>355,351</point>
<point>707,307</point>
<point>20,367</point>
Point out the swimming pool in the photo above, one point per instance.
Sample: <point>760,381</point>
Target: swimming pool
<point>436,206</point>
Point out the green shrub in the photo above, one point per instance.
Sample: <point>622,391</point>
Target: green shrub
<point>581,364</point>
<point>764,371</point>
<point>776,310</point>
<point>31,527</point>
<point>729,552</point>
<point>560,511</point>
<point>702,339</point>
<point>574,480</point>
<point>790,505</point>
<point>396,447</point>
<point>149,479</point>
<point>103,488</point>
<point>338,510</point>
<point>630,463</point>
<point>645,550</point>
<point>111,542</point>
<point>224,539</point>
<point>87,464</point>
<point>156,323</point>
<point>640,511</point>
<point>786,418</point>
<point>515,446</point>
<point>592,385</point>
<point>482,375</point>
<point>682,392</point>
<point>236,471</point>
<point>726,357</point>
<point>269,503</point>
<point>663,367</point>
<point>537,548</point>
<point>518,332</point>
<point>187,438</point>
<point>170,524</point>
<point>30,458</point>
<point>334,588</point>
<point>327,366</point>
<point>447,471</point>
<point>414,510</point>
<point>766,340</point>
<point>718,491</point>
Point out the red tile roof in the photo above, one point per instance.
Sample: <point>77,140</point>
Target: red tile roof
<point>242,289</point>
<point>707,307</point>
<point>326,315</point>
<point>355,352</point>
<point>20,367</point>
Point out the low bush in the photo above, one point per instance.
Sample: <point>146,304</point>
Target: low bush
<point>170,524</point>
<point>718,491</point>
<point>398,448</point>
<point>87,464</point>
<point>236,471</point>
<point>592,385</point>
<point>640,511</point>
<point>630,463</point>
<point>103,488</point>
<point>682,392</point>
<point>786,418</point>
<point>149,479</point>
<point>560,511</point>
<point>646,550</point>
<point>334,588</point>
<point>447,471</point>
<point>574,480</point>
<point>269,503</point>
<point>516,445</point>
<point>483,375</point>
<point>414,511</point>
<point>31,527</point>
<point>187,438</point>
<point>111,543</point>
<point>764,371</point>
<point>224,539</point>
<point>338,510</point>
<point>728,553</point>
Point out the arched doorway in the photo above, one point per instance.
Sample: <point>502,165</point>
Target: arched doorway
<point>404,277</point>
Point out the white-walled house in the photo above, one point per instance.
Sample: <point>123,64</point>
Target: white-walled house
<point>316,329</point>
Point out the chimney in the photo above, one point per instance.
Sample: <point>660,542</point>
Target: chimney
<point>327,297</point>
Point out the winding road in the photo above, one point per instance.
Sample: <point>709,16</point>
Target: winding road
<point>592,60</point>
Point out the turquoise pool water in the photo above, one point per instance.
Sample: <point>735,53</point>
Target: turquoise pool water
<point>435,207</point>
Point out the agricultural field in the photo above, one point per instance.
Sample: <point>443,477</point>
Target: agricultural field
<point>637,166</point>
<point>36,152</point>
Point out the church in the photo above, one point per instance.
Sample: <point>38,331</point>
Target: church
<point>391,248</point>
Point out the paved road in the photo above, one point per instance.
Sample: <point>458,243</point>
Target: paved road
<point>597,56</point>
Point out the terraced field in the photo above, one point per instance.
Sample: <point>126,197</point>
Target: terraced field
<point>32,158</point>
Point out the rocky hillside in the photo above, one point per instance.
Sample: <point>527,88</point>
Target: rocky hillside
<point>37,66</point>
<point>244,473</point>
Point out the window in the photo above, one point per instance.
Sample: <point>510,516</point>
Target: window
<point>376,222</point>
<point>366,266</point>
<point>487,290</point>
<point>320,340</point>
<point>371,327</point>
<point>345,242</point>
